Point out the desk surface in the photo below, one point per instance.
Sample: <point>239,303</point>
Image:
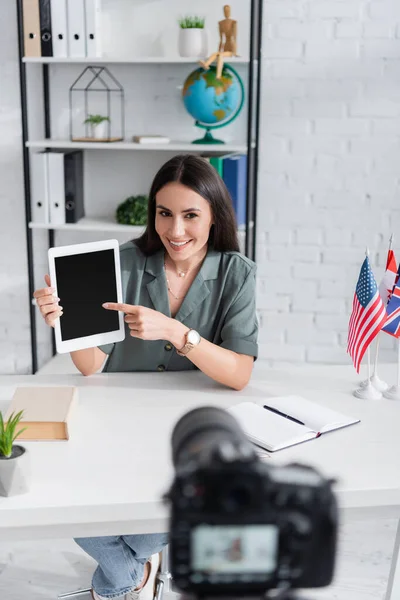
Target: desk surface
<point>110,476</point>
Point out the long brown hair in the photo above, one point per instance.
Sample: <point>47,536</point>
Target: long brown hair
<point>197,174</point>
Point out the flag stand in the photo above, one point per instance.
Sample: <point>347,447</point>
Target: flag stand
<point>378,384</point>
<point>393,393</point>
<point>368,392</point>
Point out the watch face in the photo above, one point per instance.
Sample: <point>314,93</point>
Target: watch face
<point>193,337</point>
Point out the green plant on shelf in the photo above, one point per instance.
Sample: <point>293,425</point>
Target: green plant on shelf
<point>133,211</point>
<point>95,119</point>
<point>8,433</point>
<point>191,22</point>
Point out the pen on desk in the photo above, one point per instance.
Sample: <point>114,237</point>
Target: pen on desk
<point>281,414</point>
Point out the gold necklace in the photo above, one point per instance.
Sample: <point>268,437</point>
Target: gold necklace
<point>168,286</point>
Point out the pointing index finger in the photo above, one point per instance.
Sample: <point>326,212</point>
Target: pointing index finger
<point>126,308</point>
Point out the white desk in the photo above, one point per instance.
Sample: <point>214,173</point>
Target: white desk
<point>109,478</point>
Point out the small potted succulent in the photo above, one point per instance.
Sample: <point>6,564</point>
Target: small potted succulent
<point>133,211</point>
<point>14,459</point>
<point>98,126</point>
<point>192,37</point>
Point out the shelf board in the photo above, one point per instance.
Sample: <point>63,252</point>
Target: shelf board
<point>104,224</point>
<point>171,147</point>
<point>88,224</point>
<point>120,60</point>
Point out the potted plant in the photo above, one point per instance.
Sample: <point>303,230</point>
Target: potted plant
<point>133,211</point>
<point>98,126</point>
<point>14,459</point>
<point>192,37</point>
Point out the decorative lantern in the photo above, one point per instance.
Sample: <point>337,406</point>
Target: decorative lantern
<point>96,105</point>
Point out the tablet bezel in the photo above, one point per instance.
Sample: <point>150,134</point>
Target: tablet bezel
<point>98,339</point>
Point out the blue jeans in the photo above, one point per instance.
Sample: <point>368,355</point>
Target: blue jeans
<point>121,560</point>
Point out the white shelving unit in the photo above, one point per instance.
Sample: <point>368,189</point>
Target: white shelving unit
<point>141,49</point>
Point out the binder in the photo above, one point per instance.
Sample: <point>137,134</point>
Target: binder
<point>45,28</point>
<point>58,11</point>
<point>65,186</point>
<point>56,187</point>
<point>73,178</point>
<point>31,20</point>
<point>39,188</point>
<point>235,178</point>
<point>93,27</point>
<point>218,163</point>
<point>76,28</point>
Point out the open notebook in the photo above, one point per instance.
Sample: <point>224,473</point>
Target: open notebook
<point>287,420</point>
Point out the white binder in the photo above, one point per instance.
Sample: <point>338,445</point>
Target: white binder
<point>39,188</point>
<point>56,179</point>
<point>76,28</point>
<point>93,27</point>
<point>59,28</point>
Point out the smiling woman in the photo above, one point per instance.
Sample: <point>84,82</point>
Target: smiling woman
<point>189,303</point>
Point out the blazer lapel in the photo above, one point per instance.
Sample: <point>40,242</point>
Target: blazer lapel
<point>157,287</point>
<point>197,293</point>
<point>200,288</point>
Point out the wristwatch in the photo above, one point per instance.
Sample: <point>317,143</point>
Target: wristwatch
<point>192,339</point>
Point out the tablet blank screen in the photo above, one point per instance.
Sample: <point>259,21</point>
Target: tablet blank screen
<point>84,283</point>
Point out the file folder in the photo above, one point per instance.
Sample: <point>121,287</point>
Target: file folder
<point>76,28</point>
<point>39,188</point>
<point>31,20</point>
<point>93,27</point>
<point>45,28</point>
<point>59,28</point>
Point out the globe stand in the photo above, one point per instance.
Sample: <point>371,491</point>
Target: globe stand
<point>208,139</point>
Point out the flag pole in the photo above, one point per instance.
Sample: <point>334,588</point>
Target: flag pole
<point>367,391</point>
<point>380,385</point>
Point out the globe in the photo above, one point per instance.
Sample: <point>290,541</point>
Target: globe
<point>213,102</point>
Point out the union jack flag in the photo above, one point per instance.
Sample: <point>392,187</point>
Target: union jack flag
<point>392,324</point>
<point>367,317</point>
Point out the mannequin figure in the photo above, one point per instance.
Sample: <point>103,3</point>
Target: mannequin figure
<point>227,44</point>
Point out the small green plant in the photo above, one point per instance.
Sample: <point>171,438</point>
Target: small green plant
<point>95,119</point>
<point>133,211</point>
<point>7,433</point>
<point>191,22</point>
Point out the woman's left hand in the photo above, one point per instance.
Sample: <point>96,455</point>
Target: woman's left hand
<point>144,323</point>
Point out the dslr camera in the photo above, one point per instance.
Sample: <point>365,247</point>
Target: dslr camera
<point>240,527</point>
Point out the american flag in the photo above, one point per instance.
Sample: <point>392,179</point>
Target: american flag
<point>392,324</point>
<point>367,317</point>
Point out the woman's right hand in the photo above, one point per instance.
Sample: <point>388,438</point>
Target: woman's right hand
<point>48,303</point>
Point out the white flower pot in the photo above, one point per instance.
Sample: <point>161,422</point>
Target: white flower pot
<point>193,43</point>
<point>100,131</point>
<point>15,472</point>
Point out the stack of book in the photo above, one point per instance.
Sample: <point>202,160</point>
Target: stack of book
<point>232,168</point>
<point>57,187</point>
<point>62,28</point>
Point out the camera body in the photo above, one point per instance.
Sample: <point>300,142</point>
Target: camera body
<point>240,527</point>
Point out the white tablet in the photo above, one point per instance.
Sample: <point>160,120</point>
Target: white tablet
<point>85,276</point>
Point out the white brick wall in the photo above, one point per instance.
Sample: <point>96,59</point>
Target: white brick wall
<point>329,175</point>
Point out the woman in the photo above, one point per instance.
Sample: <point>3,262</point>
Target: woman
<point>189,302</point>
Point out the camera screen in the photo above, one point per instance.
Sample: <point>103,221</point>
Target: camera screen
<point>230,549</point>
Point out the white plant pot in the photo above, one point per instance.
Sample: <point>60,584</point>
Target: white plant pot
<point>15,472</point>
<point>100,131</point>
<point>193,43</point>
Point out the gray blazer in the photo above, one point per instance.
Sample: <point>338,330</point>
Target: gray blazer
<point>220,305</point>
